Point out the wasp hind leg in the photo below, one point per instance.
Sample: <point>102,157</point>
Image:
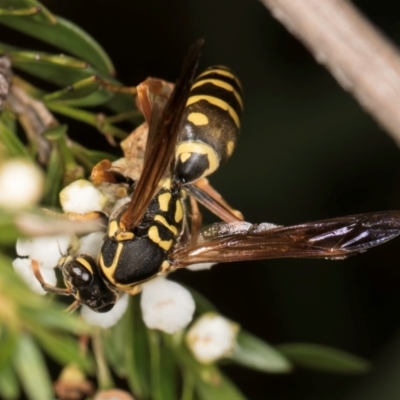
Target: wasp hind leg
<point>211,199</point>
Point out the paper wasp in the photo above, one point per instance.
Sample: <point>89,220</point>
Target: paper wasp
<point>190,133</point>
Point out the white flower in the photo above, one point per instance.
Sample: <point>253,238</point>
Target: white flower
<point>109,318</point>
<point>91,244</point>
<point>46,251</point>
<point>200,266</point>
<point>211,337</point>
<point>82,197</point>
<point>166,305</point>
<point>23,267</point>
<point>21,183</point>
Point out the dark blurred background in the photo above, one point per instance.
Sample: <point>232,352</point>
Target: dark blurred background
<point>307,151</point>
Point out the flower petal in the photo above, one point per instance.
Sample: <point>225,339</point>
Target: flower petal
<point>91,244</point>
<point>211,337</point>
<point>82,197</point>
<point>200,266</point>
<point>46,250</point>
<point>166,305</point>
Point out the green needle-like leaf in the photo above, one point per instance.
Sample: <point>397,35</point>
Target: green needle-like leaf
<point>58,69</point>
<point>208,380</point>
<point>64,35</point>
<point>86,92</point>
<point>21,8</point>
<point>155,365</point>
<point>255,353</point>
<point>11,143</point>
<point>55,173</point>
<point>169,377</point>
<point>137,361</point>
<point>89,118</point>
<point>323,358</point>
<point>9,387</point>
<point>8,231</point>
<point>8,342</point>
<point>63,349</point>
<point>203,305</point>
<point>223,389</point>
<point>31,369</point>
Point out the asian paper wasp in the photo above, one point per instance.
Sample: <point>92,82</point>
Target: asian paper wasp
<point>191,133</point>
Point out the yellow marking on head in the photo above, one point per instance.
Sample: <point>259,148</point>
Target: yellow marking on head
<point>163,221</point>
<point>200,148</point>
<point>112,228</point>
<point>216,102</point>
<point>124,235</point>
<point>197,118</point>
<point>108,270</point>
<point>184,157</point>
<point>220,72</point>
<point>85,263</point>
<point>154,236</point>
<point>221,84</point>
<point>165,266</point>
<point>230,146</point>
<point>163,201</point>
<point>64,260</point>
<point>178,212</point>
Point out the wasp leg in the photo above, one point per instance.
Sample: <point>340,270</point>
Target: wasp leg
<point>72,307</point>
<point>196,218</point>
<point>102,173</point>
<point>146,93</point>
<point>118,89</point>
<point>211,199</point>
<point>46,286</point>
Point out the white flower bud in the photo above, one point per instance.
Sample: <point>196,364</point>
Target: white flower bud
<point>91,244</point>
<point>82,197</point>
<point>200,266</point>
<point>21,184</point>
<point>24,268</point>
<point>166,305</point>
<point>45,250</point>
<point>211,337</point>
<point>107,319</point>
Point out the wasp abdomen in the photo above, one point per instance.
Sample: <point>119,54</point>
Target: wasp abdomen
<point>211,124</point>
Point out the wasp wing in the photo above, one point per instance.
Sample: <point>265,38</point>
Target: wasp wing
<point>333,238</point>
<point>163,133</point>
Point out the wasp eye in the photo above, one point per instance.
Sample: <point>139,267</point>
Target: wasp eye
<point>81,276</point>
<point>79,271</point>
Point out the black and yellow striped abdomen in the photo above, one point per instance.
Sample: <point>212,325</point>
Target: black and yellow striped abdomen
<point>211,124</point>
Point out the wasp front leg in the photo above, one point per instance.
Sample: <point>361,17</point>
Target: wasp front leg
<point>46,286</point>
